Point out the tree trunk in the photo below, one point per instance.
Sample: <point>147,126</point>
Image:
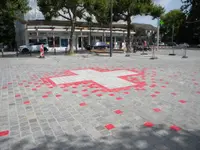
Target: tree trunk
<point>71,40</point>
<point>128,43</point>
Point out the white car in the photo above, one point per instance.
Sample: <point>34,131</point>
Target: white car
<point>32,48</point>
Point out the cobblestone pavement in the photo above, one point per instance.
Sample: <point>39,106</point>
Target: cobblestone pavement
<point>40,108</point>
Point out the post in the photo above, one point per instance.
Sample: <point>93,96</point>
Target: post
<point>111,20</point>
<point>172,54</point>
<point>158,38</point>
<point>81,39</point>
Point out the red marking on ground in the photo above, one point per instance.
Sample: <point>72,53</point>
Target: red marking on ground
<point>198,92</point>
<point>157,109</point>
<point>182,101</point>
<point>175,128</point>
<point>4,87</point>
<point>58,95</point>
<point>84,90</point>
<point>9,82</point>
<point>99,95</point>
<point>196,83</point>
<point>153,95</point>
<point>152,86</point>
<point>83,104</point>
<point>34,89</point>
<point>94,91</point>
<point>17,95</point>
<point>118,111</point>
<point>74,92</point>
<point>27,102</point>
<point>4,133</point>
<point>85,95</point>
<point>27,86</point>
<point>112,94</point>
<point>163,86</point>
<point>166,82</point>
<point>45,96</point>
<point>119,98</point>
<point>174,94</point>
<point>65,90</point>
<point>148,124</point>
<point>49,92</point>
<point>109,126</point>
<point>126,92</point>
<point>157,92</point>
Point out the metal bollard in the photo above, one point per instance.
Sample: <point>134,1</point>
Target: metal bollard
<point>185,53</point>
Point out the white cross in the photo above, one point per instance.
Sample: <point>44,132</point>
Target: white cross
<point>109,79</point>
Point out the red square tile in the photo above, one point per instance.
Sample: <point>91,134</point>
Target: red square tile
<point>4,133</point>
<point>182,101</point>
<point>112,94</point>
<point>157,92</point>
<point>174,94</point>
<point>74,92</point>
<point>198,92</point>
<point>157,109</point>
<point>49,92</point>
<point>58,95</point>
<point>44,96</point>
<point>65,90</point>
<point>119,98</point>
<point>17,95</point>
<point>109,126</point>
<point>175,128</point>
<point>163,86</point>
<point>26,102</point>
<point>118,111</point>
<point>126,92</point>
<point>153,95</point>
<point>85,95</point>
<point>4,87</point>
<point>34,89</point>
<point>83,104</point>
<point>84,90</point>
<point>148,124</point>
<point>99,95</point>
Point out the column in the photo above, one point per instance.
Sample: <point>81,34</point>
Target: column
<point>37,34</point>
<point>26,35</point>
<point>81,39</point>
<point>115,41</point>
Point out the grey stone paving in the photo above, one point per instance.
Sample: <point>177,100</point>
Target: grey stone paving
<point>38,115</point>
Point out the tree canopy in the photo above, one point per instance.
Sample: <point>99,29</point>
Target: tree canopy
<point>173,20</point>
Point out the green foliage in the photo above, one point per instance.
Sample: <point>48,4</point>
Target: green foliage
<point>14,8</point>
<point>172,20</point>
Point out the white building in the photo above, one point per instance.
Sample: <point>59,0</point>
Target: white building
<point>36,29</point>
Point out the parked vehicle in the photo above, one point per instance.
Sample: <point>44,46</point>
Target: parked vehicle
<point>33,47</point>
<point>97,45</point>
<point>171,44</point>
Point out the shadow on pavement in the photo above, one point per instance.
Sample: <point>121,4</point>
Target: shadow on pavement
<point>125,138</point>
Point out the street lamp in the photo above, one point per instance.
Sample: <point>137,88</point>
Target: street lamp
<point>111,20</point>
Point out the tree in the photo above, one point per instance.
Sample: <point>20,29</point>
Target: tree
<point>14,8</point>
<point>173,21</point>
<point>192,26</point>
<point>126,9</point>
<point>70,10</point>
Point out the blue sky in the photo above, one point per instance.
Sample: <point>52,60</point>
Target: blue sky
<point>167,4</point>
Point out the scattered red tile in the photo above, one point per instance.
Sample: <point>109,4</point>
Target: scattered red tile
<point>112,94</point>
<point>153,95</point>
<point>34,89</point>
<point>198,92</point>
<point>196,83</point>
<point>174,94</point>
<point>17,95</point>
<point>153,85</point>
<point>83,104</point>
<point>84,90</point>
<point>109,126</point>
<point>74,92</point>
<point>126,92</point>
<point>85,95</point>
<point>99,95</point>
<point>65,90</point>
<point>27,102</point>
<point>49,92</point>
<point>157,92</point>
<point>157,109</point>
<point>182,101</point>
<point>58,95</point>
<point>4,87</point>
<point>118,111</point>
<point>163,86</point>
<point>27,86</point>
<point>4,133</point>
<point>148,124</point>
<point>119,98</point>
<point>175,128</point>
<point>9,82</point>
<point>45,96</point>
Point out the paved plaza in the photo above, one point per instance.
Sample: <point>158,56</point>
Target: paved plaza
<point>87,102</point>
